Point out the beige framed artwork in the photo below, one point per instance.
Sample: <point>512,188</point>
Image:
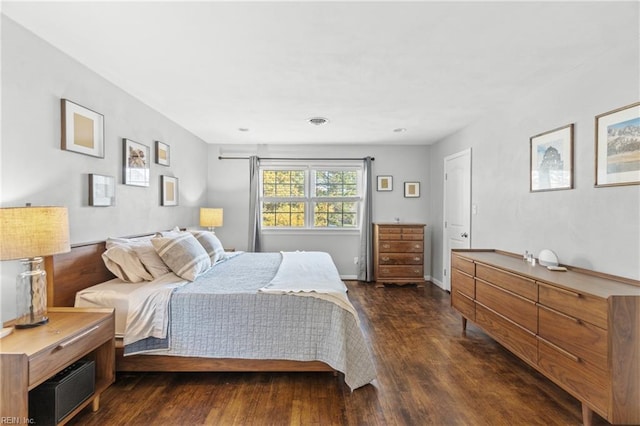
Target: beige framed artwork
<point>136,163</point>
<point>412,189</point>
<point>618,146</point>
<point>82,129</point>
<point>169,189</point>
<point>162,154</point>
<point>385,183</point>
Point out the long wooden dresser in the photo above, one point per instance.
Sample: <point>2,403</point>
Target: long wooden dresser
<point>398,253</point>
<point>579,328</point>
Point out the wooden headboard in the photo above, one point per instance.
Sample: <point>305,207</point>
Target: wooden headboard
<point>68,273</point>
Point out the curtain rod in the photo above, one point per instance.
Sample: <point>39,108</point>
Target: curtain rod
<point>293,158</point>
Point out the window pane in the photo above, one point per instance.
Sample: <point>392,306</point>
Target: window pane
<point>335,215</point>
<point>283,183</point>
<point>336,183</point>
<point>283,214</point>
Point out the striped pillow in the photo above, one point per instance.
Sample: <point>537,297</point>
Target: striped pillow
<point>183,254</point>
<point>211,244</point>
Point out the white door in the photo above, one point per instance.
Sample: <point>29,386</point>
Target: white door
<point>457,208</point>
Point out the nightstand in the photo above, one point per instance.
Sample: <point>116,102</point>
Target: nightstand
<point>28,357</point>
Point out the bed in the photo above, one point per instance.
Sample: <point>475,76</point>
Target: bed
<point>247,312</point>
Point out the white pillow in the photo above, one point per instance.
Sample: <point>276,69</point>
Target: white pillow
<point>123,262</point>
<point>150,259</point>
<point>211,245</point>
<point>183,254</point>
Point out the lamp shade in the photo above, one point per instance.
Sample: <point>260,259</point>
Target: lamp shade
<point>210,217</point>
<point>28,232</point>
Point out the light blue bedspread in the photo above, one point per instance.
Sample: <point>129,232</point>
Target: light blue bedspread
<point>223,315</point>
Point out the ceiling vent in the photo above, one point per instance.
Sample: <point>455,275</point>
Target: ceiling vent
<point>318,121</point>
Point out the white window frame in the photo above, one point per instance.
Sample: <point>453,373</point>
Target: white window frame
<point>310,199</point>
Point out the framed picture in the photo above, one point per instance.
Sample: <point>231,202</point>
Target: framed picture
<point>551,155</point>
<point>82,129</point>
<point>102,190</point>
<point>385,183</point>
<point>618,146</point>
<point>169,188</point>
<point>136,163</point>
<point>412,189</point>
<point>162,153</point>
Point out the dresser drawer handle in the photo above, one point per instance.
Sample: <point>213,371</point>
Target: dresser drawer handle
<point>416,258</point>
<point>78,337</point>
<point>562,314</point>
<point>417,246</point>
<point>561,290</point>
<point>385,270</point>
<point>386,246</point>
<point>385,258</point>
<point>417,271</point>
<point>559,349</point>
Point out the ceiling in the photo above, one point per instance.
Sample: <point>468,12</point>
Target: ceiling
<point>431,68</point>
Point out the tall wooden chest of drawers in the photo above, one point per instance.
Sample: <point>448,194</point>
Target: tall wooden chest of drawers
<point>579,328</point>
<point>398,253</point>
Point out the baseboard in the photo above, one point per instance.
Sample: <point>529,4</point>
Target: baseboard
<point>348,277</point>
<point>438,283</point>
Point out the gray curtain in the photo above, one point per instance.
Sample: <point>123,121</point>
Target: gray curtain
<point>365,263</point>
<point>254,203</point>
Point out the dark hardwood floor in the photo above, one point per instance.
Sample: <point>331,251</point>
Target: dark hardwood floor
<point>429,373</point>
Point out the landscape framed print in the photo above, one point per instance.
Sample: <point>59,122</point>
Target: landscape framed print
<point>618,146</point>
<point>102,190</point>
<point>385,183</point>
<point>162,154</point>
<point>136,163</point>
<point>82,129</point>
<point>169,195</point>
<point>551,160</point>
<point>412,189</point>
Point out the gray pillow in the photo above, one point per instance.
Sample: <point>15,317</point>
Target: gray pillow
<point>183,254</point>
<point>211,245</point>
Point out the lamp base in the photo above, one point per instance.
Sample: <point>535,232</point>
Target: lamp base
<point>33,323</point>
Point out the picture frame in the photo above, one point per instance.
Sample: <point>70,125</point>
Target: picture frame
<point>136,163</point>
<point>102,190</point>
<point>551,160</point>
<point>82,129</point>
<point>385,183</point>
<point>412,189</point>
<point>169,191</point>
<point>618,146</point>
<point>162,154</point>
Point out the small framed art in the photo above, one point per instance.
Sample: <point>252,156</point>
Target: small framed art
<point>412,189</point>
<point>102,190</point>
<point>385,183</point>
<point>82,129</point>
<point>136,163</point>
<point>551,160</point>
<point>618,146</point>
<point>162,153</point>
<point>169,189</point>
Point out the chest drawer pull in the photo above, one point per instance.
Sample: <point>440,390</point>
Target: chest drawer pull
<point>561,290</point>
<point>563,315</point>
<point>76,338</point>
<point>386,246</point>
<point>559,349</point>
<point>385,258</point>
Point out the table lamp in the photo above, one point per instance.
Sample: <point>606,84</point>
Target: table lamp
<point>210,218</point>
<point>30,233</point>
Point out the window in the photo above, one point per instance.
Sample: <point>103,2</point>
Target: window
<point>310,197</point>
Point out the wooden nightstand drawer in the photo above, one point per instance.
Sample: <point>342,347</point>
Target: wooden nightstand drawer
<point>47,362</point>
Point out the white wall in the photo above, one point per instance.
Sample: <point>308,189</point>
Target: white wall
<point>228,186</point>
<point>33,168</point>
<point>594,228</point>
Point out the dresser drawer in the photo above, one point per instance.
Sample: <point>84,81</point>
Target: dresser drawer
<point>514,307</point>
<point>583,306</point>
<point>515,338</point>
<point>386,231</point>
<point>464,304</point>
<point>579,378</point>
<point>462,283</point>
<point>465,265</point>
<point>520,285</point>
<point>52,360</point>
<point>400,259</point>
<point>401,246</point>
<point>393,271</point>
<point>580,338</point>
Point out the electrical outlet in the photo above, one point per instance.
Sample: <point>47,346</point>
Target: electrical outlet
<point>355,260</point>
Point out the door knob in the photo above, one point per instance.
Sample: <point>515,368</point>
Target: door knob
<point>464,235</point>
